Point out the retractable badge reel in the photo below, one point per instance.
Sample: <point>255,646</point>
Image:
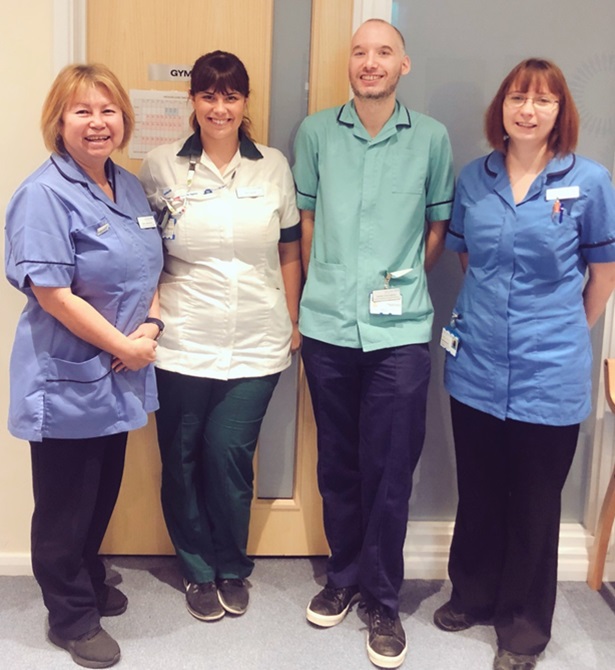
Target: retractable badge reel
<point>387,300</point>
<point>449,340</point>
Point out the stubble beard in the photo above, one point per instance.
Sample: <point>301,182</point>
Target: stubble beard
<point>376,95</point>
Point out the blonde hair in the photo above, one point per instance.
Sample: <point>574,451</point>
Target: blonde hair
<point>69,81</point>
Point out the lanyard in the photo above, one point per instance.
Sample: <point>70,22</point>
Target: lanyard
<point>176,206</point>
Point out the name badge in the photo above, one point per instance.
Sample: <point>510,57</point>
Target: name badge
<point>146,222</point>
<point>250,192</point>
<point>449,340</point>
<point>385,301</point>
<point>563,193</point>
<point>102,229</point>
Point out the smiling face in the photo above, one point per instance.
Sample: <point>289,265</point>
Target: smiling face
<point>529,123</point>
<point>219,114</point>
<point>377,61</point>
<point>92,128</point>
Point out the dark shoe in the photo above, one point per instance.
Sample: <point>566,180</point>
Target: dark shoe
<point>96,649</point>
<point>330,606</point>
<point>233,595</point>
<point>446,618</point>
<point>202,601</point>
<point>386,642</point>
<point>111,601</point>
<point>507,660</point>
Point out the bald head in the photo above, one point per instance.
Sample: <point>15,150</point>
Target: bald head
<point>377,60</point>
<point>383,24</point>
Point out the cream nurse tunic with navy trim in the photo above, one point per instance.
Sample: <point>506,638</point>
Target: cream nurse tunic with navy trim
<point>222,295</point>
<point>525,350</point>
<point>63,231</point>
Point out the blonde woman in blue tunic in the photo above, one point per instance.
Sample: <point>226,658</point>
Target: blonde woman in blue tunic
<point>82,246</point>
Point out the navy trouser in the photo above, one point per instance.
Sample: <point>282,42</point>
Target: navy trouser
<point>370,415</point>
<point>76,484</point>
<point>207,433</point>
<point>503,560</point>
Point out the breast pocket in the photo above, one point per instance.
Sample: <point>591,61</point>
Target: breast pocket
<point>557,244</point>
<point>408,174</point>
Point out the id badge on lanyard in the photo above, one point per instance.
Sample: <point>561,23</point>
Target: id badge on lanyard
<point>387,300</point>
<point>449,339</point>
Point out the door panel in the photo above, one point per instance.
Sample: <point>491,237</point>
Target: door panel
<point>128,36</point>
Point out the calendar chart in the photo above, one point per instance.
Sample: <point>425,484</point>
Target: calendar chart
<point>160,117</point>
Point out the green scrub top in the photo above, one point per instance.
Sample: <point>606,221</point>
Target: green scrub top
<point>372,199</point>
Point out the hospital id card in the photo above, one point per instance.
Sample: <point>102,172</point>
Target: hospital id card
<point>449,340</point>
<point>385,301</point>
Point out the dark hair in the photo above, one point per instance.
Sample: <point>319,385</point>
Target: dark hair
<point>565,134</point>
<point>71,80</point>
<point>221,72</point>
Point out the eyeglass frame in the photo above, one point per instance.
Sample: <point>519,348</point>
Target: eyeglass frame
<point>549,107</point>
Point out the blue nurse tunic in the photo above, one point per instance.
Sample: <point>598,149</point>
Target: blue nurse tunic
<point>63,231</point>
<point>525,350</point>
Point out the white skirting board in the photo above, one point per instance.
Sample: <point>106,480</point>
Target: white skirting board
<point>426,553</point>
<point>427,545</point>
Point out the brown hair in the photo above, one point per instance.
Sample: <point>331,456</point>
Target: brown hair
<point>221,72</point>
<point>564,136</point>
<point>69,81</point>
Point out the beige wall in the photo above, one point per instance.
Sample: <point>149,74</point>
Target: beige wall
<point>26,55</point>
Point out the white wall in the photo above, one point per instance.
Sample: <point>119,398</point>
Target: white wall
<point>26,52</point>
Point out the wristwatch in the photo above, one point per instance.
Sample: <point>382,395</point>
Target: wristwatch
<point>158,322</point>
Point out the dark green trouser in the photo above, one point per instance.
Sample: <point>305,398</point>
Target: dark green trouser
<point>207,432</point>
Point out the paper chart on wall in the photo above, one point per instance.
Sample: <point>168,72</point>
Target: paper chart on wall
<point>160,117</point>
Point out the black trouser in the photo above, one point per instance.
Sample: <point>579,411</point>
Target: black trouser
<point>503,560</point>
<point>76,484</point>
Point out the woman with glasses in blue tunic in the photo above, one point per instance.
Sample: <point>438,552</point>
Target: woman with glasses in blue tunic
<point>530,221</point>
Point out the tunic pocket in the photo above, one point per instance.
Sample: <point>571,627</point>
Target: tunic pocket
<point>325,289</point>
<point>79,399</point>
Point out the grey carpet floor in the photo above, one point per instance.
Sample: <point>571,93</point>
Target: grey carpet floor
<point>157,633</point>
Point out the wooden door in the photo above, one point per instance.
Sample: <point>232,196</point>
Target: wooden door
<point>128,36</point>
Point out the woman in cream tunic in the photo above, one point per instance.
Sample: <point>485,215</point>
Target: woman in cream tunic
<point>229,295</point>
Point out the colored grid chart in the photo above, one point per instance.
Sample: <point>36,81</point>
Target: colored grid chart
<point>161,117</point>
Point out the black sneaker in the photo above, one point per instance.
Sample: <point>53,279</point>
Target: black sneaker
<point>446,618</point>
<point>202,601</point>
<point>386,642</point>
<point>96,649</point>
<point>330,606</point>
<point>111,601</point>
<point>233,595</point>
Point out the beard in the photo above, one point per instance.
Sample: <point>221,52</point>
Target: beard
<point>376,95</point>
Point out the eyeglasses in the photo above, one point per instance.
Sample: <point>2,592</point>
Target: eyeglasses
<point>540,102</point>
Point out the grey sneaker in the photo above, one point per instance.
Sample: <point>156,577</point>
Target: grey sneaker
<point>96,649</point>
<point>507,660</point>
<point>330,606</point>
<point>233,595</point>
<point>202,601</point>
<point>386,642</point>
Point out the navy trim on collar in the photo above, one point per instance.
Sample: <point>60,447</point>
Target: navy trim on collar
<point>193,147</point>
<point>557,164</point>
<point>400,124</point>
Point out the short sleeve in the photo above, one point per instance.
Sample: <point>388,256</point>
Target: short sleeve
<point>305,169</point>
<point>455,237</point>
<point>39,247</point>
<point>290,228</point>
<point>598,219</point>
<point>441,178</point>
<point>149,185</point>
